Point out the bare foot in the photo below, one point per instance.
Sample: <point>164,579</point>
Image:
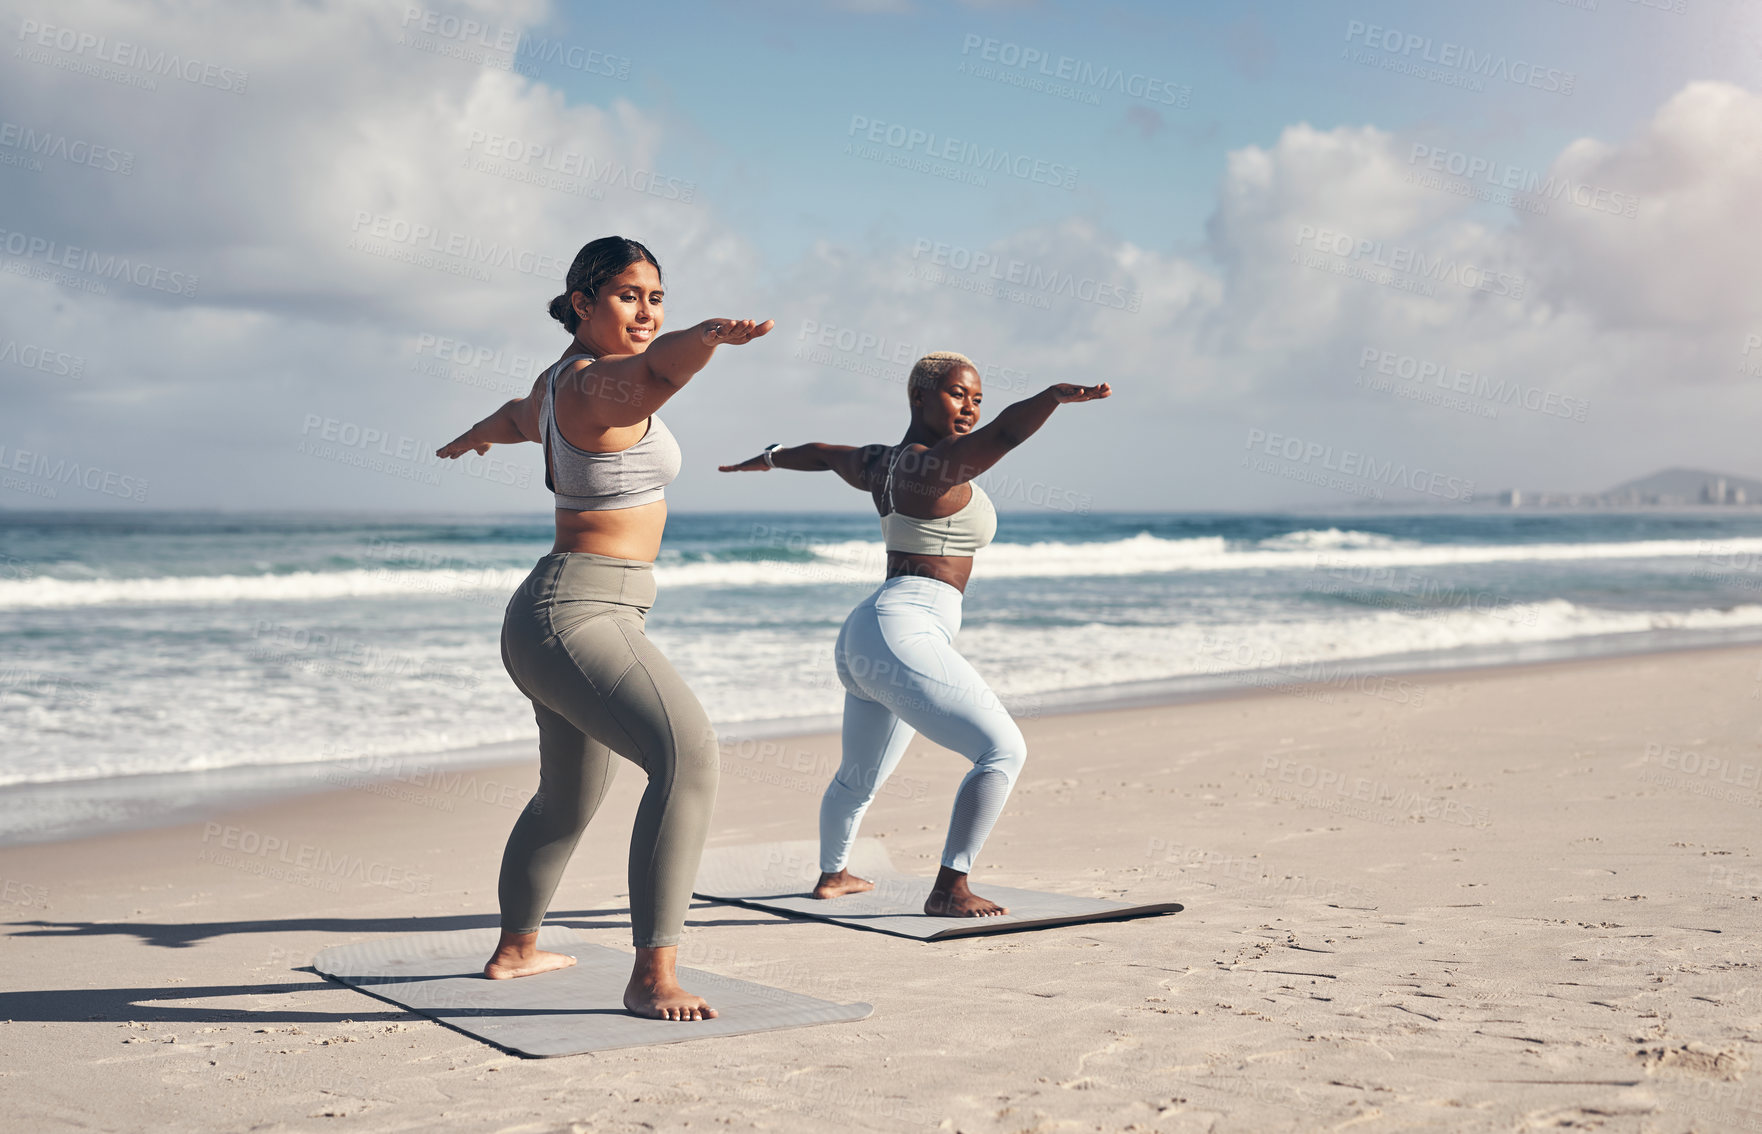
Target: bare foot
<point>951,898</point>
<point>654,991</point>
<point>838,884</point>
<point>518,955</point>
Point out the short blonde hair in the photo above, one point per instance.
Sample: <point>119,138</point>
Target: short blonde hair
<point>929,371</point>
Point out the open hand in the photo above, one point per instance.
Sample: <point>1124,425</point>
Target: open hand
<point>733,332</point>
<point>1066,392</point>
<point>752,464</point>
<point>460,445</point>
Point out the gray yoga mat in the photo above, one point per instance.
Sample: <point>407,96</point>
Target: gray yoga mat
<point>567,1012</point>
<point>779,878</point>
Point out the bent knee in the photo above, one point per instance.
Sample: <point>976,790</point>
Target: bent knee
<point>1007,755</point>
<point>856,784</point>
<point>555,814</point>
<point>697,759</point>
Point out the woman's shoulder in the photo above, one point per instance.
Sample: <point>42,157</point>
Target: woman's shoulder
<point>573,364</point>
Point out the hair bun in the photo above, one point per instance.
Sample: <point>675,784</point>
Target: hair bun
<point>598,261</point>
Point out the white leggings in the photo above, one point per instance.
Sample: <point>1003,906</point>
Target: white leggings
<point>901,675</point>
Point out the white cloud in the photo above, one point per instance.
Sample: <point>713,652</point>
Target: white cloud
<point>1687,259</point>
<point>1582,304</point>
<point>258,195</point>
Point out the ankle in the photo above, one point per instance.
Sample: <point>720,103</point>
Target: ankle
<point>654,965</point>
<point>519,943</point>
<point>950,881</point>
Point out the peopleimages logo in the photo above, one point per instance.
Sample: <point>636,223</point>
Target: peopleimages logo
<point>940,147</point>
<point>377,450</point>
<point>1410,49</point>
<point>573,166</point>
<point>1362,466</point>
<point>129,57</point>
<point>525,47</point>
<point>1025,274</point>
<point>473,250</point>
<point>75,151</point>
<point>260,853</point>
<point>32,357</point>
<point>1501,392</point>
<point>39,467</point>
<point>1551,187</point>
<point>1078,71</point>
<point>110,266</point>
<point>1409,260</point>
<point>892,357</point>
<point>517,366</point>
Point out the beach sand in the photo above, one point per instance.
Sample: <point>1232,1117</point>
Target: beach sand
<point>1515,899</point>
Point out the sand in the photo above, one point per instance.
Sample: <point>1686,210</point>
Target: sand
<point>1513,899</point>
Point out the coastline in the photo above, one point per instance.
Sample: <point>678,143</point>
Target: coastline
<point>83,808</point>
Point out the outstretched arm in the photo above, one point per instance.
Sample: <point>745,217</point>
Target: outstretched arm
<point>622,389</point>
<point>516,420</point>
<point>849,461</point>
<point>958,459</point>
<point>625,389</point>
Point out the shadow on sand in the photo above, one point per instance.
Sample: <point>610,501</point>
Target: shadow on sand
<point>149,1005</point>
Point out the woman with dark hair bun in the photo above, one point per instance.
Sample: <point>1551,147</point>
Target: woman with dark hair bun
<point>572,638</point>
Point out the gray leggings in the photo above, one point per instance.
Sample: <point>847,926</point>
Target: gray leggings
<point>573,642</point>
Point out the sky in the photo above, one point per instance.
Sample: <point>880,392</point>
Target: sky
<point>268,257</point>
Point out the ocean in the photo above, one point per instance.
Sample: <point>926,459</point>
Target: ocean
<point>151,661</point>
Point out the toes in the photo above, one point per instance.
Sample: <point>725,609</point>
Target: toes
<point>678,1013</point>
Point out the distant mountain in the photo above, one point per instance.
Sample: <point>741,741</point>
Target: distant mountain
<point>1685,484</point>
<point>1665,489</point>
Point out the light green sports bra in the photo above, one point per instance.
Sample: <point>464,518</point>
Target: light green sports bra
<point>960,534</point>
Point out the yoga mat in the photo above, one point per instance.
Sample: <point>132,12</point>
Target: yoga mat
<point>779,878</point>
<point>567,1012</point>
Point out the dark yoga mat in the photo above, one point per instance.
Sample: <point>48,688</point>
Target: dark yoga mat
<point>567,1012</point>
<point>779,878</point>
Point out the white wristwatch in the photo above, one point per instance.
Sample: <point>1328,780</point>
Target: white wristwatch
<point>769,449</point>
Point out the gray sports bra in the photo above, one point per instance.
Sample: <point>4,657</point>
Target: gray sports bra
<point>960,534</point>
<point>585,481</point>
